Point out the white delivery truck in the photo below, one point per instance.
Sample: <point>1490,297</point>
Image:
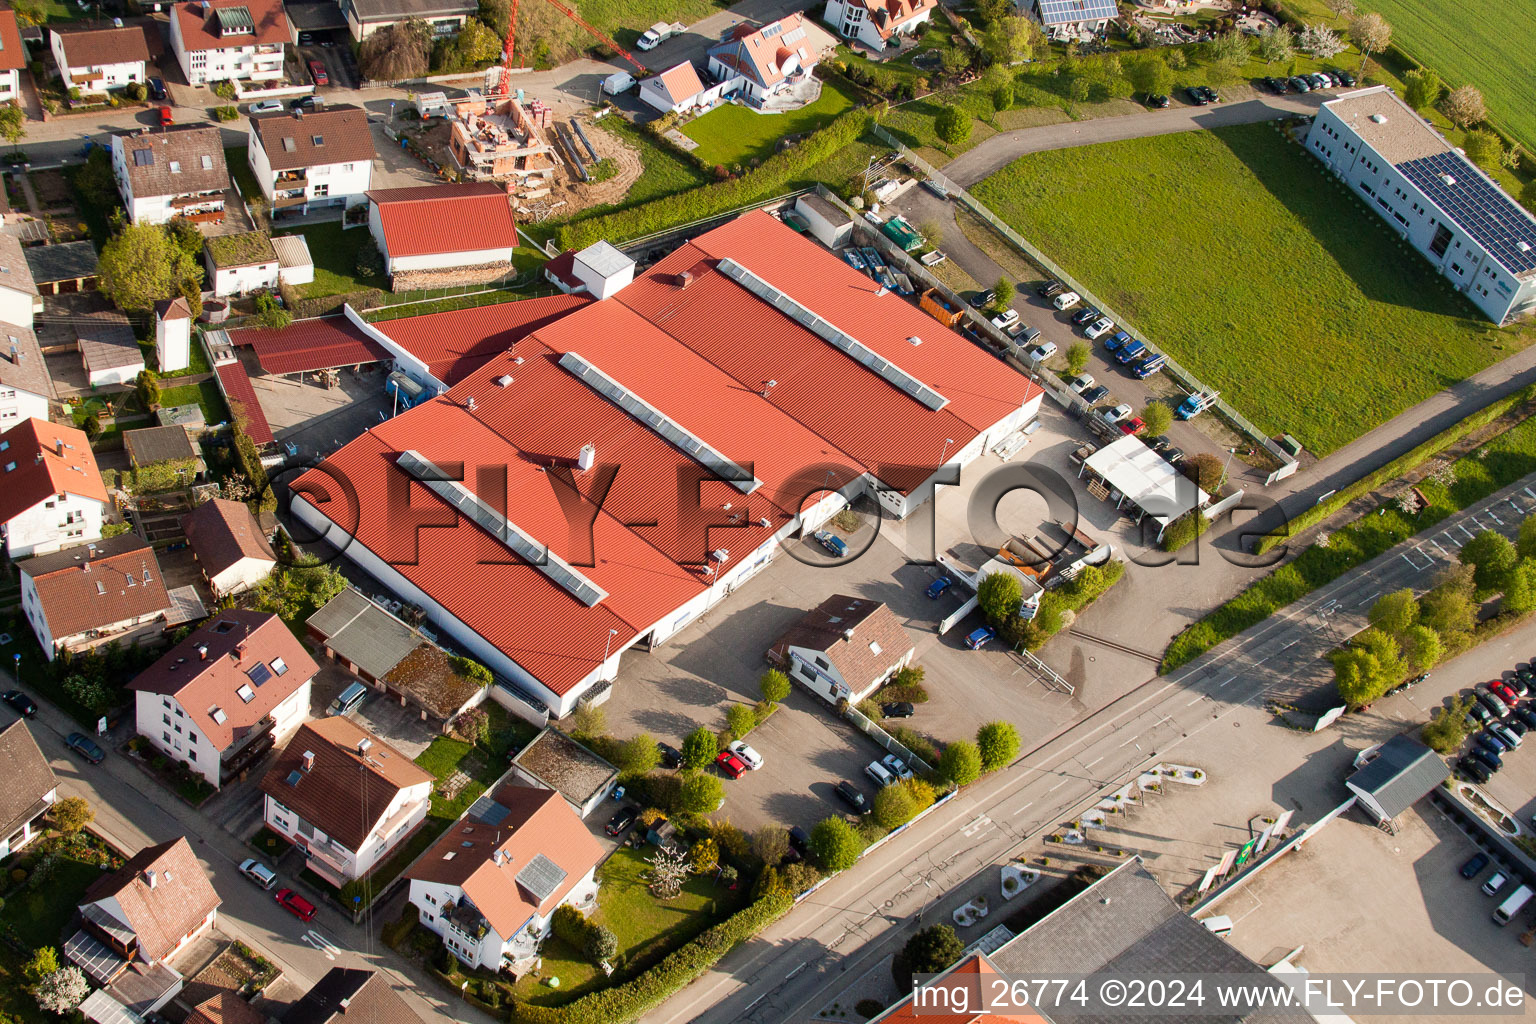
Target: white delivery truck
<point>653,36</point>
<point>1512,906</point>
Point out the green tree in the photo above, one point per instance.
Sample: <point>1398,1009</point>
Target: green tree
<point>1422,647</point>
<point>269,314</point>
<point>1493,559</point>
<point>1007,41</point>
<point>91,426</point>
<point>1150,75</point>
<point>1277,44</point>
<point>1464,106</point>
<point>700,748</point>
<point>1233,47</point>
<point>591,721</point>
<point>930,951</point>
<point>1422,88</point>
<point>1448,727</point>
<point>1484,148</point>
<point>835,844</point>
<point>43,962</point>
<point>29,13</point>
<point>997,743</point>
<point>1525,543</point>
<point>1394,613</point>
<point>1002,97</point>
<point>1079,88</point>
<point>999,596</point>
<point>960,763</point>
<point>1520,591</point>
<point>1528,196</point>
<point>70,814</point>
<point>1371,33</point>
<point>601,945</point>
<point>894,807</point>
<point>1158,418</point>
<point>396,52</point>
<point>1078,354</point>
<point>740,719</point>
<point>773,686</point>
<point>1206,470</point>
<point>13,125</point>
<point>141,265</point>
<point>705,856</point>
<point>1002,294</point>
<point>476,45</point>
<point>1368,668</point>
<point>184,234</point>
<point>638,755</point>
<point>496,15</point>
<point>771,844</point>
<point>700,793</point>
<point>952,125</point>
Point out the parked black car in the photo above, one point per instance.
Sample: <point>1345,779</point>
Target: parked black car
<point>1158,102</point>
<point>20,703</point>
<point>1196,96</point>
<point>670,758</point>
<point>1086,315</point>
<point>981,299</point>
<point>1048,289</point>
<point>1300,84</point>
<point>1345,78</point>
<point>1473,866</point>
<point>1096,394</point>
<point>156,88</point>
<point>852,797</point>
<point>1467,766</point>
<point>86,747</point>
<point>621,821</point>
<point>898,709</point>
<point>1209,94</point>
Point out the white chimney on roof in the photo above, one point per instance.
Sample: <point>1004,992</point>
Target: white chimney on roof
<point>308,760</point>
<point>150,878</point>
<point>363,745</point>
<point>202,652</point>
<point>586,457</point>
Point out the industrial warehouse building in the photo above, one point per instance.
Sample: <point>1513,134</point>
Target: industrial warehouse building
<point>750,371</point>
<point>1439,201</point>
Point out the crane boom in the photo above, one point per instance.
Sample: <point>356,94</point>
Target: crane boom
<point>508,48</point>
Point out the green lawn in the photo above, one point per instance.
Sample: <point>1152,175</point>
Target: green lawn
<point>624,20</point>
<point>236,158</point>
<point>734,134</point>
<point>197,362</point>
<point>1486,44</point>
<point>1239,253</point>
<point>206,395</point>
<point>666,173</point>
<point>647,928</point>
<point>335,254</point>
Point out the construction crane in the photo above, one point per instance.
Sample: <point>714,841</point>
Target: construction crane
<point>507,51</point>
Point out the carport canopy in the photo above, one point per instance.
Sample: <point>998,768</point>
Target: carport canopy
<point>305,346</point>
<point>1145,479</point>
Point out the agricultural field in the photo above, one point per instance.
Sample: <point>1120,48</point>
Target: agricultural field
<point>1236,251</point>
<point>734,135</point>
<point>624,20</point>
<point>1488,44</point>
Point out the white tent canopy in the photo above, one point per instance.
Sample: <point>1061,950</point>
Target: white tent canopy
<point>1145,479</point>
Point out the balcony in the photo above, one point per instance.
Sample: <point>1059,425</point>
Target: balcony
<point>465,920</point>
<point>283,202</point>
<point>291,180</point>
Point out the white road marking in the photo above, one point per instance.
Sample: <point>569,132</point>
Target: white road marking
<point>1058,785</point>
<point>1095,761</point>
<point>1197,700</point>
<point>1225,681</point>
<point>1491,515</point>
<point>1373,594</point>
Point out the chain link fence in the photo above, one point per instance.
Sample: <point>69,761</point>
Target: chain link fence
<point>1188,380</point>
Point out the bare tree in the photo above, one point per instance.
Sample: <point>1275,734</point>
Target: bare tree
<point>396,52</point>
<point>1320,41</point>
<point>1371,33</point>
<point>669,869</point>
<point>1464,106</point>
<point>1341,8</point>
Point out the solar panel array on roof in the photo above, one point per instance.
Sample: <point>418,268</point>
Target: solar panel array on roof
<point>503,529</point>
<point>541,876</point>
<point>675,435</point>
<point>260,674</point>
<point>143,157</point>
<point>1478,206</point>
<point>1061,12</point>
<point>488,811</point>
<point>812,322</point>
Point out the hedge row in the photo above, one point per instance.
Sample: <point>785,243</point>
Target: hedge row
<point>774,174</point>
<point>1396,468</point>
<point>639,995</point>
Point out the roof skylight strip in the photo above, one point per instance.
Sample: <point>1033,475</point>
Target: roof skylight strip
<point>663,425</point>
<point>503,529</point>
<point>818,325</point>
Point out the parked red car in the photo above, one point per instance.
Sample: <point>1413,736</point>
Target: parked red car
<point>732,765</point>
<point>1504,692</point>
<point>296,905</point>
<point>317,72</point>
<point>165,116</point>
<point>1134,425</point>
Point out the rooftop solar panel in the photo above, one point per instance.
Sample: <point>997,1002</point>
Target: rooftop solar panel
<point>1480,208</point>
<point>1060,12</point>
<point>259,674</point>
<point>488,811</point>
<point>541,877</point>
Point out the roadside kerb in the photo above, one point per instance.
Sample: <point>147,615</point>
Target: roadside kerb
<point>1288,464</point>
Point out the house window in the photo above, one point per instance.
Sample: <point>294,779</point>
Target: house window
<point>178,713</point>
<point>178,729</point>
<point>165,719</point>
<point>1456,267</point>
<point>166,737</point>
<point>245,693</point>
<point>823,663</point>
<point>191,755</point>
<point>279,666</point>
<point>322,190</point>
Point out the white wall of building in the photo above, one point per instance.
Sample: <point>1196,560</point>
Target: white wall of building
<point>241,576</point>
<point>429,898</point>
<point>58,521</point>
<point>10,85</point>
<point>33,609</point>
<point>447,260</point>
<point>251,62</point>
<point>240,280</point>
<point>103,76</point>
<point>852,20</point>
<point>114,374</point>
<point>173,343</point>
<point>405,362</point>
<point>21,837</point>
<point>407,810</point>
<point>17,404</point>
<point>16,307</point>
<point>833,235</point>
<point>163,721</point>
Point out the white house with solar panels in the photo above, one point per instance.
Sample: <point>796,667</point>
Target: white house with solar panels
<point>1437,199</point>
<point>1071,19</point>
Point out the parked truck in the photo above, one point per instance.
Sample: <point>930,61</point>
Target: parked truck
<point>653,36</point>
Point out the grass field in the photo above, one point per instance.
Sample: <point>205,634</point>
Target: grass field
<point>1236,251</point>
<point>624,20</point>
<point>733,134</point>
<point>206,395</point>
<point>1487,44</point>
<point>335,253</point>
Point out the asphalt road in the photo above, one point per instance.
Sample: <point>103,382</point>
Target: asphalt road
<point>134,811</point>
<point>862,916</point>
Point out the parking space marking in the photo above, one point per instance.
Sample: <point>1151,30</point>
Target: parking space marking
<point>1491,515</point>
<point>1372,595</point>
<point>1197,700</point>
<point>1058,785</point>
<point>1532,493</point>
<point>1225,681</point>
<point>1095,761</point>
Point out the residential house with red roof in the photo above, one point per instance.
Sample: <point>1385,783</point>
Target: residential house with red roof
<point>30,787</point>
<point>307,160</point>
<point>94,60</point>
<point>51,493</point>
<point>85,596</point>
<point>26,386</point>
<point>344,797</point>
<point>765,61</point>
<point>750,371</point>
<point>229,545</point>
<point>491,884</point>
<point>455,233</point>
<point>226,694</point>
<point>844,648</point>
<point>879,23</point>
<point>19,298</point>
<point>678,89</point>
<point>13,57</point>
<point>224,40</point>
<point>136,920</point>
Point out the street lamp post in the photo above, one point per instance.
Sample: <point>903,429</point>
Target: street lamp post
<point>945,454</point>
<point>607,643</point>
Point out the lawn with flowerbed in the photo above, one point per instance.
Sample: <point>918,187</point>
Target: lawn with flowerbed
<point>734,135</point>
<point>1237,252</point>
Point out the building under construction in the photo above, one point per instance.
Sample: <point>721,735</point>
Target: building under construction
<point>501,140</point>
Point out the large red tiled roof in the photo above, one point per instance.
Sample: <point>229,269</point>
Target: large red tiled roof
<point>13,56</point>
<point>200,25</point>
<point>89,587</point>
<point>236,386</point>
<point>161,913</point>
<point>306,345</point>
<point>455,343</point>
<point>431,219</point>
<point>223,533</point>
<point>41,459</point>
<point>700,354</point>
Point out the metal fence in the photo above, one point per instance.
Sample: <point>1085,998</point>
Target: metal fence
<point>1172,368</point>
<point>868,727</point>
